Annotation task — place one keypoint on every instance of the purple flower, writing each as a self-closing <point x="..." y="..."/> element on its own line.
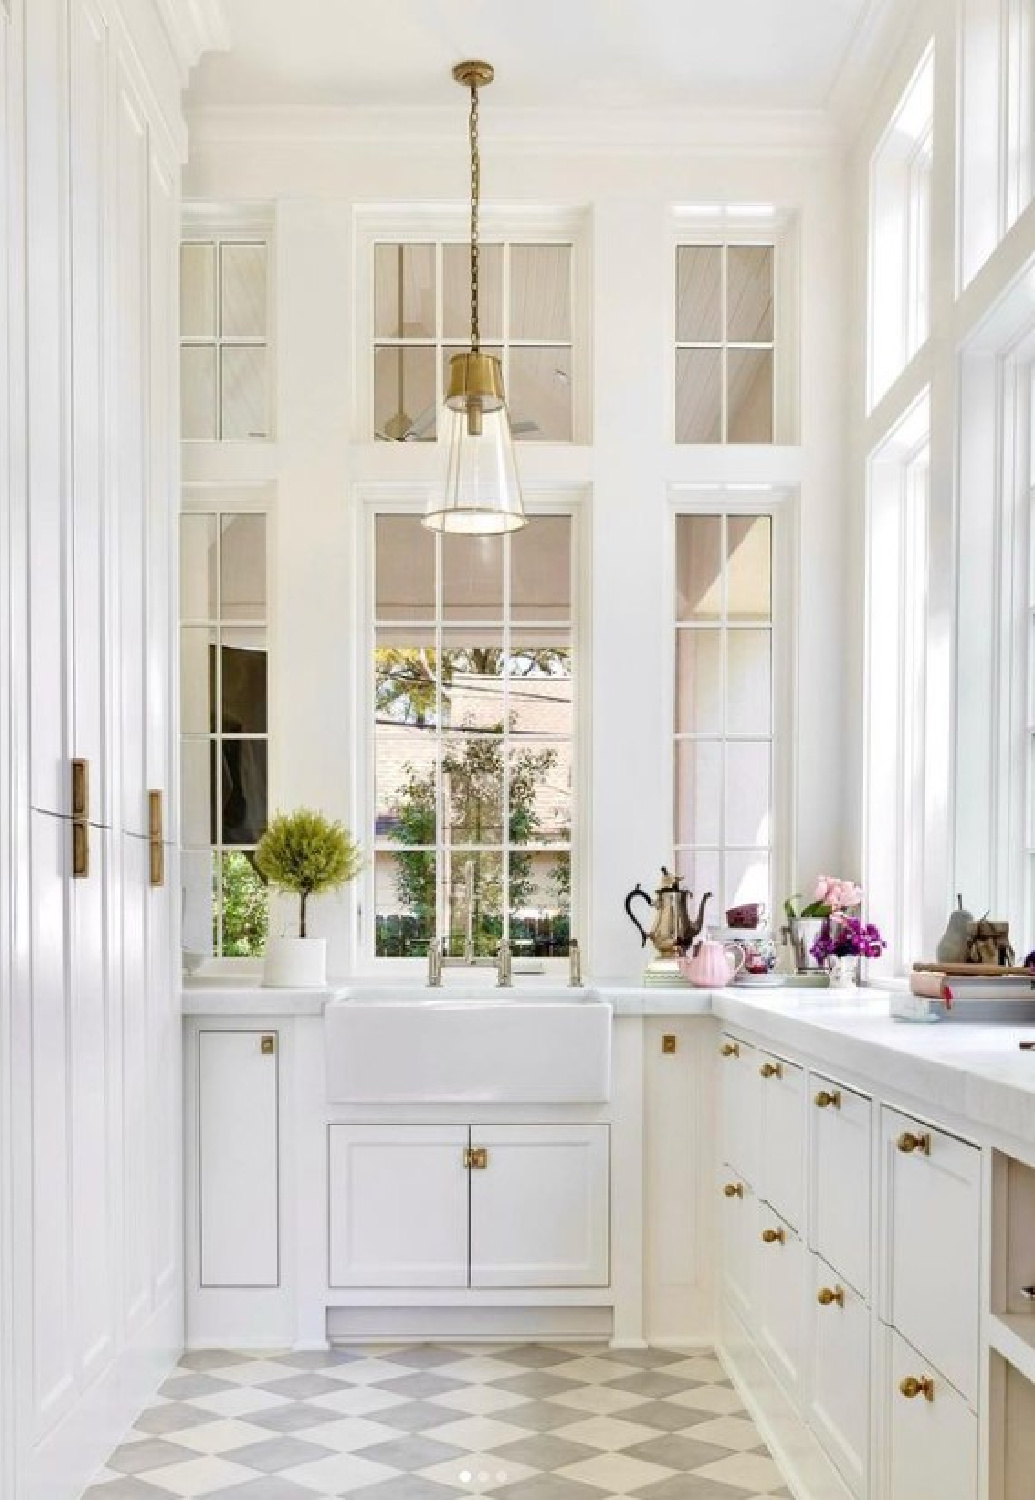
<point x="847" y="937"/>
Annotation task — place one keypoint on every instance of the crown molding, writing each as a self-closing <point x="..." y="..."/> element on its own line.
<point x="877" y="37"/>
<point x="521" y="131"/>
<point x="193" y="27"/>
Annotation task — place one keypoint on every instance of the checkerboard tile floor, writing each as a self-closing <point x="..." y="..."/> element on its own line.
<point x="434" y="1421"/>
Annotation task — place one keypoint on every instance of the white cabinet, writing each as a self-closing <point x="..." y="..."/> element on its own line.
<point x="238" y="1187"/>
<point x="741" y="1088"/>
<point x="781" y="1269"/>
<point x="398" y="1205"/>
<point x="931" y="1212"/>
<point x="739" y="1245"/>
<point x="782" y="1137"/>
<point x="930" y="1436"/>
<point x="837" y="1373"/>
<point x="839" y="1169"/>
<point x="539" y="1206"/>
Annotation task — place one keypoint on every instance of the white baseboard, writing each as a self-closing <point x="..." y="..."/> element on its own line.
<point x="62" y="1466"/>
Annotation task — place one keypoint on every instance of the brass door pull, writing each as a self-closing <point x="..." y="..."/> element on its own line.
<point x="773" y="1236"/>
<point x="80" y="788"/>
<point x="907" y="1143"/>
<point x="730" y="1049"/>
<point x="771" y="1070"/>
<point x="827" y="1296"/>
<point x="80" y="803"/>
<point x="734" y="1190"/>
<point x="80" y="849"/>
<point x="476" y="1158"/>
<point x="828" y="1100"/>
<point x="155" y="839"/>
<point x="912" y="1387"/>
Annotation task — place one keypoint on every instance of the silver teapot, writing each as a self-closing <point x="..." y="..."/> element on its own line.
<point x="673" y="930"/>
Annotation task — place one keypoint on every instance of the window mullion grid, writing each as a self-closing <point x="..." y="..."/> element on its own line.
<point x="440" y="857"/>
<point x="216" y="751"/>
<point x="724" y="359"/>
<point x="724" y="666"/>
<point x="505" y="315"/>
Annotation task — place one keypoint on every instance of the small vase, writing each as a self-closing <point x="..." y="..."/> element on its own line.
<point x="844" y="972"/>
<point x="803" y="932"/>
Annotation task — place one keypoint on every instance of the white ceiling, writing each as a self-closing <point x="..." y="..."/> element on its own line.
<point x="548" y="54"/>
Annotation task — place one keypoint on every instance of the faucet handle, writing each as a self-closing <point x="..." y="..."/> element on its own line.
<point x="574" y="963"/>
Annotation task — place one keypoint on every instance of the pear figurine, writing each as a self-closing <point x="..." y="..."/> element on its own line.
<point x="952" y="945"/>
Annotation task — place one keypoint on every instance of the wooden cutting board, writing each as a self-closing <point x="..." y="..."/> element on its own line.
<point x="976" y="971"/>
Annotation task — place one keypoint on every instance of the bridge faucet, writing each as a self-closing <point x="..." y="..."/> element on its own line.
<point x="574" y="964"/>
<point x="504" y="975"/>
<point x="434" y="963"/>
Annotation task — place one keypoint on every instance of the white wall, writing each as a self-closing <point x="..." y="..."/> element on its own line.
<point x="317" y="169"/>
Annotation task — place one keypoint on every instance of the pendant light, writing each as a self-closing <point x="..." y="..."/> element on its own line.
<point x="482" y="495"/>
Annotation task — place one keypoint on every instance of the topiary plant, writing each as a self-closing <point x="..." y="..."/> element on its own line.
<point x="305" y="853"/>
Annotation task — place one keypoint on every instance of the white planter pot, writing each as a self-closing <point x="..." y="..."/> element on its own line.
<point x="295" y="963"/>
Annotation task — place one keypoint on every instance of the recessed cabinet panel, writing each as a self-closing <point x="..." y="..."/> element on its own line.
<point x="932" y="1234"/>
<point x="740" y="1087"/>
<point x="781" y="1275"/>
<point x="931" y="1443"/>
<point x="237" y="1138"/>
<point x="137" y="1102"/>
<point x="739" y="1255"/>
<point x="539" y="1207"/>
<point x="839" y="1162"/>
<point x="837" y="1374"/>
<point x="782" y="1142"/>
<point x="398" y="1205"/>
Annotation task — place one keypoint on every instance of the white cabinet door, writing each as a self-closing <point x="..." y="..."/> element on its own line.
<point x="781" y="1293"/>
<point x="838" y="1373"/>
<point x="782" y="1144"/>
<point x="237" y="1158"/>
<point x="839" y="1159"/>
<point x="398" y="1205"/>
<point x="739" y="1258"/>
<point x="931" y="1444"/>
<point x="740" y="1088"/>
<point x="539" y="1206"/>
<point x="931" y="1244"/>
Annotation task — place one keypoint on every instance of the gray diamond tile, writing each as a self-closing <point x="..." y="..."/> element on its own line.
<point x="545" y="1451"/>
<point x="151" y="1453"/>
<point x="645" y="1359"/>
<point x="425" y="1356"/>
<point x="183" y="1387"/>
<point x="126" y="1489"/>
<point x="301" y="1387"/>
<point x="411" y="1452"/>
<point x="541" y="1416"/>
<point x="319" y="1359"/>
<point x="536" y="1356"/>
<point x="675" y="1452"/>
<point x="296" y="1417"/>
<point x="174" y="1416"/>
<point x="653" y="1383"/>
<point x="418" y="1386"/>
<point x="406" y="1487"/>
<point x="213" y="1359"/>
<point x="267" y="1488"/>
<point x="692" y="1487"/>
<point x="416" y="1416"/>
<point x="536" y="1383"/>
<point x="668" y="1416"/>
<point x="549" y="1487"/>
<point x="277" y="1453"/>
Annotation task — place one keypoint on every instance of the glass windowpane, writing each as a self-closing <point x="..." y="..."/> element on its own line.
<point x="242" y="567"/>
<point x="405" y="569"/>
<point x="749" y="294"/>
<point x="472" y="788"/>
<point x="472" y="680"/>
<point x="698" y="792"/>
<point x="749" y="396"/>
<point x="540" y="903"/>
<point x="699" y="294"/>
<point x="243" y="798"/>
<point x="243" y="669"/>
<point x="540" y="292"/>
<point x="472" y="577"/>
<point x="404" y="395"/>
<point x="747" y="877"/>
<point x="540" y="569"/>
<point x="540" y="689"/>
<point x="405" y="766"/>
<point x="198" y="291"/>
<point x="749" y="677"/>
<point x="404" y="291"/>
<point x="749" y="579"/>
<point x="699" y="681"/>
<point x="404" y="903"/>
<point x="473" y="885"/>
<point x="198" y="392"/>
<point x="243" y="392"/>
<point x="539" y="395"/>
<point x="701" y="873"/>
<point x="197" y="803"/>
<point x="698" y="567"/>
<point x="197" y="884"/>
<point x="406" y="680"/>
<point x="748" y="793"/>
<point x="244" y="906"/>
<point x="197" y="567"/>
<point x="242" y="303"/>
<point x="698" y="395"/>
<point x="540" y="794"/>
<point x="456" y="292"/>
<point x="197" y="680"/>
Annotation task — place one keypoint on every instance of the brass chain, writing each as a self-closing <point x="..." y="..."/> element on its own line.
<point x="475" y="196"/>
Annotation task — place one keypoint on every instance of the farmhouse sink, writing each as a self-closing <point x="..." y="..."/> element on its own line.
<point x="467" y="1045"/>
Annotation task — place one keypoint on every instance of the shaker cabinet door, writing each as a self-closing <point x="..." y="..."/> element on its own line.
<point x="931" y="1435"/>
<point x="740" y="1088"/>
<point x="839" y="1159"/>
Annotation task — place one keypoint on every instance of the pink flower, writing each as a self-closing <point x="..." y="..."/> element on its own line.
<point x="823" y="885"/>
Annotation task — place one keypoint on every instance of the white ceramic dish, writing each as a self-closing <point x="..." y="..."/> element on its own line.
<point x="758" y="981"/>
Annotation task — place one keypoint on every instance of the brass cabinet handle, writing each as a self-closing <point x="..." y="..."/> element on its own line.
<point x="80" y="788"/>
<point x="80" y="849"/>
<point x="268" y="1044"/>
<point x="734" y="1190"/>
<point x="80" y="800"/>
<point x="773" y="1236"/>
<point x="155" y="839"/>
<point x="730" y="1049"/>
<point x="476" y="1158"/>
<point x="771" y="1070"/>
<point x="907" y="1143"/>
<point x="914" y="1386"/>
<point x="828" y="1100"/>
<point x="827" y="1296"/>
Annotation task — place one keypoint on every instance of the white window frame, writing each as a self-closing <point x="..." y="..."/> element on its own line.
<point x="391" y="499"/>
<point x="781" y="505"/>
<point x="447" y="224"/>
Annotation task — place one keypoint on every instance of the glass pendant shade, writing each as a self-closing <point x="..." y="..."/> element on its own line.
<point x="482" y="494"/>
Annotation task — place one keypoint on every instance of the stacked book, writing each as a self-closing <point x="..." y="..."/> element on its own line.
<point x="985" y="993"/>
<point x="665" y="974"/>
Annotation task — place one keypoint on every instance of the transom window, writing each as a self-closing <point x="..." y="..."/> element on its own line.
<point x="474" y="687"/>
<point x="225" y="729"/>
<point x="725" y="343"/>
<point x="724" y="725"/>
<point x="422" y="317"/>
<point x="223" y="340"/>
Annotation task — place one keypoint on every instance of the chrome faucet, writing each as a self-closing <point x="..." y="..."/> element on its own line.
<point x="435" y="963"/>
<point x="574" y="964"/>
<point x="504" y="975"/>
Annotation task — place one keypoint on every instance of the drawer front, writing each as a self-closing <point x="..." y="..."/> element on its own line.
<point x="740" y="1091"/>
<point x="839" y="1162"/>
<point x="782" y="1139"/>
<point x="838" y="1378"/>
<point x="932" y="1235"/>
<point x="931" y="1445"/>
<point x="739" y="1244"/>
<point x="781" y="1291"/>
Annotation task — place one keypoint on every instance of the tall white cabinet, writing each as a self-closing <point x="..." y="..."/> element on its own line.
<point x="90" y="1154"/>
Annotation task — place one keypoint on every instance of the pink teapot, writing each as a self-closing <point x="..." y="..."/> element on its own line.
<point x="713" y="965"/>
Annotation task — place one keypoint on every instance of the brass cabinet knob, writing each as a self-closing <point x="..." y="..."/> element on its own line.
<point x="734" y="1190"/>
<point x="771" y="1070"/>
<point x="914" y="1386"/>
<point x="773" y="1236"/>
<point x="907" y="1143"/>
<point x="730" y="1049"/>
<point x="827" y="1296"/>
<point x="828" y="1100"/>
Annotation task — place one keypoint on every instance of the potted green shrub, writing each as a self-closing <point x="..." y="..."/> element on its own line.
<point x="304" y="853"/>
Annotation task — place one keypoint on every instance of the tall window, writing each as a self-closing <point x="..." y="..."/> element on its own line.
<point x="224" y="724"/>
<point x="724" y="728"/>
<point x="725" y="343"/>
<point x="473" y="738"/>
<point x="422" y="316"/>
<point x="224" y="375"/>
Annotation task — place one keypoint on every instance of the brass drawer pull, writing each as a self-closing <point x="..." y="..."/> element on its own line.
<point x="773" y="1236"/>
<point x="268" y="1045"/>
<point x="476" y="1158"/>
<point x="907" y="1143"/>
<point x="80" y="849"/>
<point x="827" y="1296"/>
<point x="730" y="1049"/>
<point x="771" y="1070"/>
<point x="734" y="1190"/>
<point x="828" y="1100"/>
<point x="912" y="1387"/>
